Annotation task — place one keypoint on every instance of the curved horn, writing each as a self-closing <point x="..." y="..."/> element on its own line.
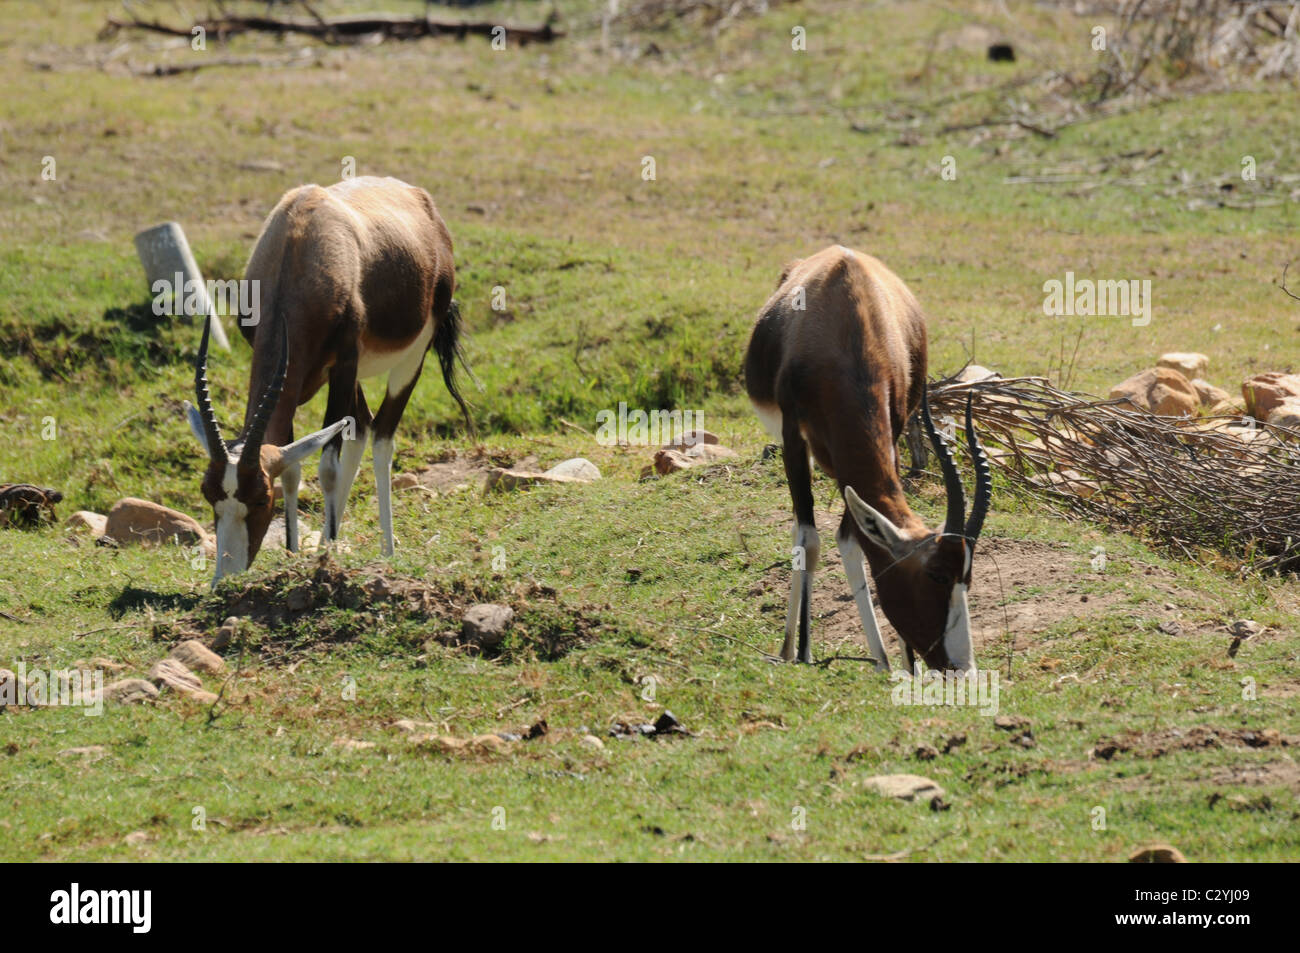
<point x="216" y="446"/>
<point x="251" y="455"/>
<point x="983" y="477"/>
<point x="951" y="480"/>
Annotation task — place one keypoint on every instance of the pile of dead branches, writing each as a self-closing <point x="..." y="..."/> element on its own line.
<point x="1221" y="483"/>
<point x="334" y="30"/>
<point x="713" y="14"/>
<point x="1159" y="42"/>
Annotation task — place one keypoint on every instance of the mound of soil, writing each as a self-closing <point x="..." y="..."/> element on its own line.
<point x="333" y="604"/>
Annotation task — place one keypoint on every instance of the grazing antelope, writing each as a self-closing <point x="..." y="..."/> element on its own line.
<point x="356" y="280"/>
<point x="836" y="365"/>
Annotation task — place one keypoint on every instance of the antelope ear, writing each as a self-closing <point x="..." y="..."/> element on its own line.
<point x="299" y="450"/>
<point x="196" y="425"/>
<point x="875" y="524"/>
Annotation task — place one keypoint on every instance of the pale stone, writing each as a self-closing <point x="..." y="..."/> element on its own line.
<point x="194" y="654"/>
<point x="1189" y="364"/>
<point x="906" y="787"/>
<point x="132" y="521"/>
<point x="1160" y="390"/>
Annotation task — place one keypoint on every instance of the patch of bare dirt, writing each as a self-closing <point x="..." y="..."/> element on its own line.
<point x="454" y="470"/>
<point x="302" y="608"/>
<point x="1283" y="773"/>
<point x="1038" y="581"/>
<point x="1155" y="744"/>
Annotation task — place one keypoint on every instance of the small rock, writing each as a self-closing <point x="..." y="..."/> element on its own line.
<point x="906" y="787"/>
<point x="194" y="654"/>
<point x="485" y="624"/>
<point x="580" y="469"/>
<point x="1286" y="414"/>
<point x="1161" y="390"/>
<point x="224" y="635"/>
<point x="670" y="461"/>
<point x="130" y="691"/>
<point x="86" y="521"/>
<point x="593" y="742"/>
<point x="1245" y="628"/>
<point x="1208" y="394"/>
<point x="1157" y="854"/>
<point x="667" y="723"/>
<point x="925" y="752"/>
<point x="689" y="438"/>
<point x="1263" y="392"/>
<point x="1011" y="722"/>
<point x="499" y="478"/>
<point x="170" y="673"/>
<point x="974" y="372"/>
<point x="405" y="481"/>
<point x="134" y="521"/>
<point x="1188" y="364"/>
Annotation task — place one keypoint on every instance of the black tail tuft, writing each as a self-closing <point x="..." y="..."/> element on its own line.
<point x="446" y="342"/>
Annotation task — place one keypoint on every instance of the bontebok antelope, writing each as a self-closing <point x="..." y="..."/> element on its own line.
<point x="836" y="366"/>
<point x="356" y="280"/>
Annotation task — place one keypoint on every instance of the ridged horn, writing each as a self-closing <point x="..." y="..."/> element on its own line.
<point x="951" y="479"/>
<point x="983" y="477"/>
<point x="251" y="454"/>
<point x="202" y="397"/>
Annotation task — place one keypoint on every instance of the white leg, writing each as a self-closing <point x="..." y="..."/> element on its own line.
<point x="337" y="472"/>
<point x="854" y="567"/>
<point x="807" y="550"/>
<point x="290" y="477"/>
<point x="382" y="451"/>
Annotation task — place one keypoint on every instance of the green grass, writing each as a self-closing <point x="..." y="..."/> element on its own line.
<point x="618" y="289"/>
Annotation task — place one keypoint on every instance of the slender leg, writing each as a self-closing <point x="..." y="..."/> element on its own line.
<point x="798" y="472"/>
<point x="855" y="569"/>
<point x="401" y="382"/>
<point x="341" y="458"/>
<point x="290" y="478"/>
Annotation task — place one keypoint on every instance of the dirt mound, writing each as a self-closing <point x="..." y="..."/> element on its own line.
<point x="333" y="604"/>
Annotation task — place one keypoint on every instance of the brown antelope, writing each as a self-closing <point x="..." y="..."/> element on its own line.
<point x="836" y="365"/>
<point x="356" y="280"/>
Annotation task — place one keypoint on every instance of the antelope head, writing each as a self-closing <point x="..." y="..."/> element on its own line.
<point x="922" y="585"/>
<point x="240" y="477"/>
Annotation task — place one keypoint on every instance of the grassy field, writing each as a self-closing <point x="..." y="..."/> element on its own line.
<point x="634" y="596"/>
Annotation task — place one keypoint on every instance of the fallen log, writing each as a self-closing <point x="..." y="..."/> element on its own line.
<point x="335" y="29"/>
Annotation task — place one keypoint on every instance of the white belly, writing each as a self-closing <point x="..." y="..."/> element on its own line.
<point x="400" y="365"/>
<point x="770" y="418"/>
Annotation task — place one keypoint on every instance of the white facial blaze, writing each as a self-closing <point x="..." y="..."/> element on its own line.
<point x="232" y="529"/>
<point x="956" y="634"/>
